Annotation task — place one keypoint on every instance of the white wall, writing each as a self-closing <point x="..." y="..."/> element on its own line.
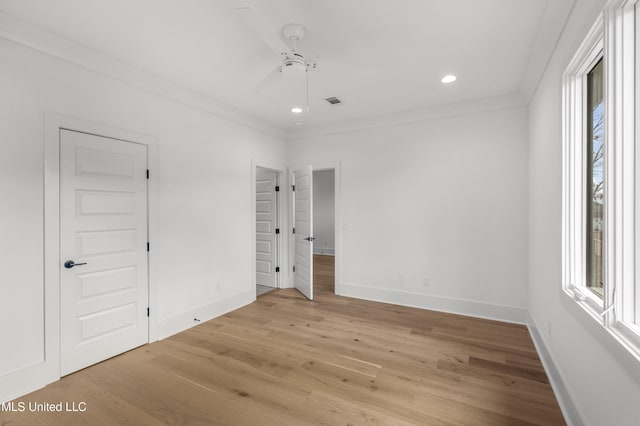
<point x="201" y="239"/>
<point x="324" y="211"/>
<point x="603" y="392"/>
<point x="445" y="200"/>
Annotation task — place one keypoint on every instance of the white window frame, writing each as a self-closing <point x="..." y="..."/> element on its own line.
<point x="637" y="182"/>
<point x="626" y="321"/>
<point x="613" y="37"/>
<point x="574" y="160"/>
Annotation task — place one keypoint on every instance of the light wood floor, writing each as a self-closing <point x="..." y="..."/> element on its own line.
<point x="334" y="361"/>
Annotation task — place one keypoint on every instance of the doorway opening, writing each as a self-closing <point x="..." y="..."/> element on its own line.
<point x="324" y="231"/>
<point x="268" y="230"/>
<point x="310" y="243"/>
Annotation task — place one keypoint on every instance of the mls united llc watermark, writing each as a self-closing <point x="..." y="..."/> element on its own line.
<point x="50" y="407"/>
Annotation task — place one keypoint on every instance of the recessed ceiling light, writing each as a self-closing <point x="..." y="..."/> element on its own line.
<point x="296" y="110"/>
<point x="299" y="123"/>
<point x="449" y="78"/>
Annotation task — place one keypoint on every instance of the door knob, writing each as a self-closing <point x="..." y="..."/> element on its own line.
<point x="70" y="264"/>
<point x="310" y="238"/>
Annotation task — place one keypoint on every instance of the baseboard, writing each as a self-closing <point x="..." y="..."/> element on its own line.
<point x="571" y="413"/>
<point x="26" y="380"/>
<point x="328" y="251"/>
<point x="436" y="303"/>
<point x="185" y="320"/>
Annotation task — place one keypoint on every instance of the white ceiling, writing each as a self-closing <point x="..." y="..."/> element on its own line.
<point x="379" y="56"/>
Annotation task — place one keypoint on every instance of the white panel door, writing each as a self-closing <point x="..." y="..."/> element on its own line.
<point x="303" y="211"/>
<point x="266" y="223"/>
<point x="103" y="231"/>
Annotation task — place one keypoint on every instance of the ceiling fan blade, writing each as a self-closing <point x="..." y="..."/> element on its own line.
<point x="345" y="65"/>
<point x="272" y="78"/>
<point x="250" y="13"/>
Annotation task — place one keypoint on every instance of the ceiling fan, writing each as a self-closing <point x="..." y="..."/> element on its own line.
<point x="292" y="60"/>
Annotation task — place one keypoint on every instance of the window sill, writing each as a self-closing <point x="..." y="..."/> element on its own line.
<point x="620" y="341"/>
<point x="587" y="300"/>
<point x="628" y="336"/>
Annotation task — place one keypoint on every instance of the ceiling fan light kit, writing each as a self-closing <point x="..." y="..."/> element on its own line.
<point x="295" y="63"/>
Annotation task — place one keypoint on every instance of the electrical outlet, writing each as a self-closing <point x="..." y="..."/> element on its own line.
<point x="427" y="281"/>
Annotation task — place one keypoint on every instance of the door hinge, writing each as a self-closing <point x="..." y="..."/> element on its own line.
<point x="277" y="269"/>
<point x="293" y="187"/>
<point x="277" y="189"/>
<point x="147" y="173"/>
<point x="148" y="246"/>
<point x="294" y="268"/>
<point x="277" y="230"/>
<point x="148" y="311"/>
<point x="294" y="230"/>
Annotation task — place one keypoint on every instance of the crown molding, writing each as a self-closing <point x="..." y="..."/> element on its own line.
<point x="30" y="36"/>
<point x="407" y="117"/>
<point x="554" y="20"/>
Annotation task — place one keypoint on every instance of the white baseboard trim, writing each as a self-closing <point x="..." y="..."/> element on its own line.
<point x="471" y="308"/>
<point x="185" y="320"/>
<point x="329" y="251"/>
<point x="27" y="379"/>
<point x="572" y="415"/>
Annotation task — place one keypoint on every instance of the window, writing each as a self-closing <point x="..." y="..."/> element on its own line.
<point x="584" y="188"/>
<point x="594" y="206"/>
<point x="601" y="175"/>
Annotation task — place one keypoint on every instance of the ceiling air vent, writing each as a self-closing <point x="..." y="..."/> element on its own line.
<point x="333" y="100"/>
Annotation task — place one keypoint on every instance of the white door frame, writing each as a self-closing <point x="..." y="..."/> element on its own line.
<point x="317" y="166"/>
<point x="53" y="124"/>
<point x="280" y="217"/>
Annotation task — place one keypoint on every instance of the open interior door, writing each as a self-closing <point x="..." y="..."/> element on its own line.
<point x="303" y="237"/>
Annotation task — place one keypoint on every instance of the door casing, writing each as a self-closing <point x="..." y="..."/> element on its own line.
<point x="340" y="223"/>
<point x="282" y="276"/>
<point x="50" y="369"/>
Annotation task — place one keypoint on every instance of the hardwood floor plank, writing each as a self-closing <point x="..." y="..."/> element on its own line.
<point x="519" y="371"/>
<point x="285" y="360"/>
